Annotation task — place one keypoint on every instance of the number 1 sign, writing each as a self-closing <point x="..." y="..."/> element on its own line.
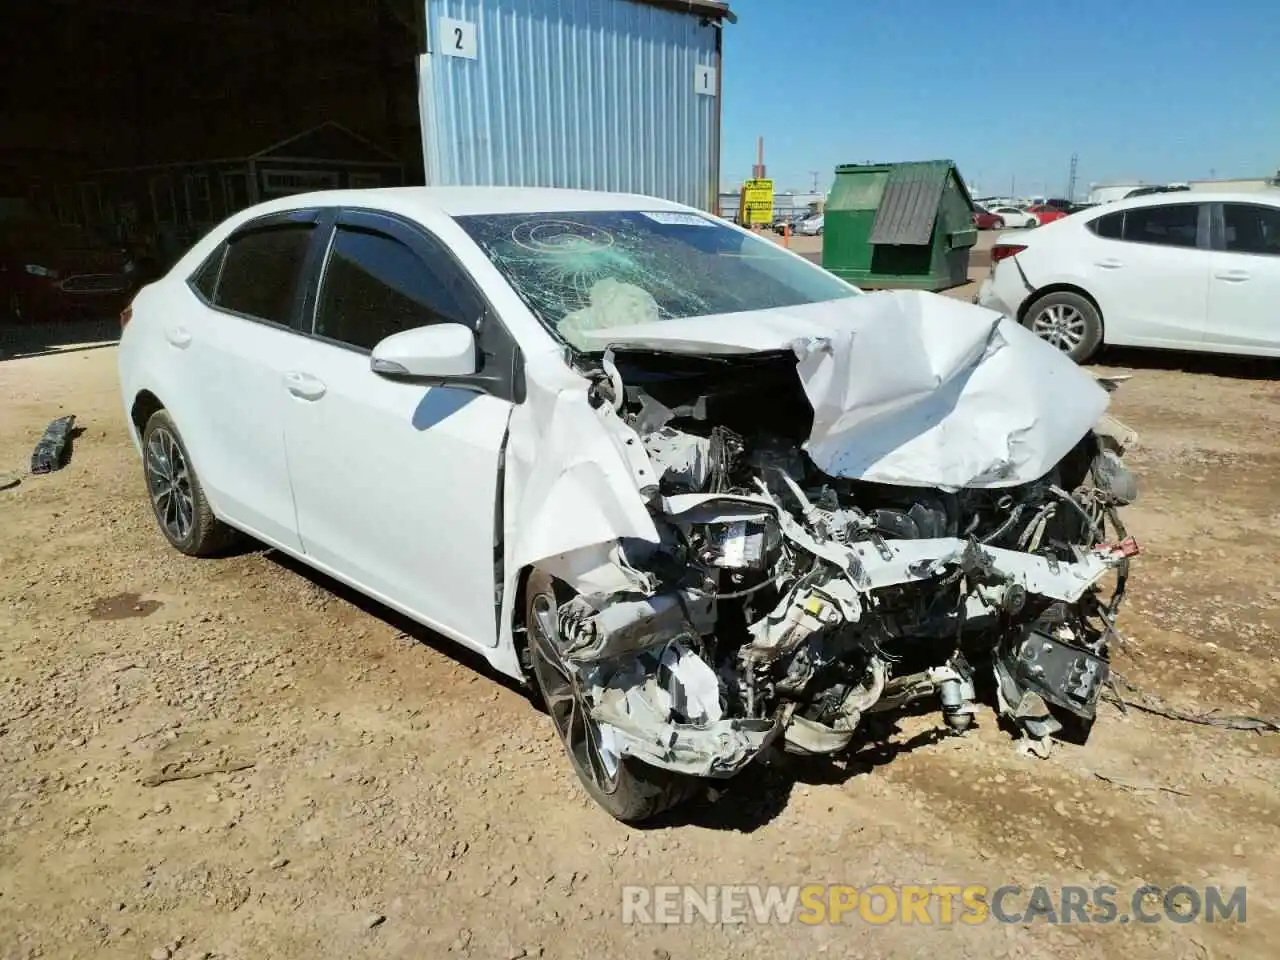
<point x="704" y="81"/>
<point x="457" y="38"/>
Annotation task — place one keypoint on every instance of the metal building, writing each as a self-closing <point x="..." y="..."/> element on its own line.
<point x="619" y="95"/>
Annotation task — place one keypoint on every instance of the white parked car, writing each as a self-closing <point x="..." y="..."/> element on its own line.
<point x="1014" y="217"/>
<point x="705" y="498"/>
<point x="1181" y="271"/>
<point x="812" y="226"/>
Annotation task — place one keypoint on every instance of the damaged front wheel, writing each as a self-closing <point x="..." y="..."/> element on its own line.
<point x="629" y="790"/>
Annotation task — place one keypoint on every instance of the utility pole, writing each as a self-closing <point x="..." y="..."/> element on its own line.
<point x="759" y="173"/>
<point x="1071" y="181"/>
<point x="815" y="174"/>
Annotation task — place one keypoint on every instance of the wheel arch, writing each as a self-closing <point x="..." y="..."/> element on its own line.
<point x="520" y="626"/>
<point x="1079" y="291"/>
<point x="145" y="404"/>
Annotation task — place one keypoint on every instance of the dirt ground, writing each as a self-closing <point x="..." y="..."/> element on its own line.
<point x="382" y="795"/>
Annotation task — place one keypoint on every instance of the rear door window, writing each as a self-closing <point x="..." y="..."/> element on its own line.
<point x="1174" y="225"/>
<point x="205" y="279"/>
<point x="1251" y="228"/>
<point x="375" y="286"/>
<point x="1110" y="227"/>
<point x="260" y="272"/>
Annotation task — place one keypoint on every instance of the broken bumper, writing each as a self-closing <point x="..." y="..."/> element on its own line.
<point x="643" y="710"/>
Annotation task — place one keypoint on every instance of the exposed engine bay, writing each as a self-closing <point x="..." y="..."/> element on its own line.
<point x="785" y="605"/>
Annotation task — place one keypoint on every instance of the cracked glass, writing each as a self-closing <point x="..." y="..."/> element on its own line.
<point x="597" y="269"/>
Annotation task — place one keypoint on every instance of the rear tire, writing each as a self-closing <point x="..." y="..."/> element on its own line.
<point x="177" y="498"/>
<point x="1068" y="321"/>
<point x="627" y="789"/>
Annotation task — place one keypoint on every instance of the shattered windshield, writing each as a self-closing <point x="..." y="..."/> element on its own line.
<point x="586" y="271"/>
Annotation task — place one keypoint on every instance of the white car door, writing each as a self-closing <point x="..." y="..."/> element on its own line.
<point x="236" y="345"/>
<point x="397" y="484"/>
<point x="1244" y="280"/>
<point x="1148" y="269"/>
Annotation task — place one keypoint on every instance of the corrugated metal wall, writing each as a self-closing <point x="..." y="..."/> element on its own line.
<point x="593" y="94"/>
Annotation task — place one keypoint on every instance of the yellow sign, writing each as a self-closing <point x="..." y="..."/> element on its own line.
<point x="757" y="202"/>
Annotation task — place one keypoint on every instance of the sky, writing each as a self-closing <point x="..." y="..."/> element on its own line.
<point x="1009" y="89"/>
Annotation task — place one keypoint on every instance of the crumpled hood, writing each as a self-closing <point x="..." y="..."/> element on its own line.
<point x="907" y="387"/>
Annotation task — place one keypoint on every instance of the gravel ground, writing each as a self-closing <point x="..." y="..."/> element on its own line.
<point x="359" y="788"/>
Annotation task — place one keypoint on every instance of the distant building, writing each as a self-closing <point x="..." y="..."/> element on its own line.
<point x="1109" y="192"/>
<point x="785" y="203"/>
<point x="1245" y="185"/>
<point x="1118" y="190"/>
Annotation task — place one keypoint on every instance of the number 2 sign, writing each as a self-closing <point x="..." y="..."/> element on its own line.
<point x="457" y="38"/>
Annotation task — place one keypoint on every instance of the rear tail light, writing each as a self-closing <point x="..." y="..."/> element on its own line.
<point x="1003" y="251"/>
<point x="125" y="316"/>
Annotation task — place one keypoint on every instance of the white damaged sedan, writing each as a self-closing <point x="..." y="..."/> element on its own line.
<point x="705" y="498"/>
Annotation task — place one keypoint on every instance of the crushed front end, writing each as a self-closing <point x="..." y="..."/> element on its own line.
<point x="782" y="604"/>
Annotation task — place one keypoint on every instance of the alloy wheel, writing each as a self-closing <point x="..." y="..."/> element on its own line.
<point x="566" y="701"/>
<point x="169" y="482"/>
<point x="1061" y="325"/>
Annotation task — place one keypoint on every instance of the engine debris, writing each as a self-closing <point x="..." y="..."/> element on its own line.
<point x="787" y="604"/>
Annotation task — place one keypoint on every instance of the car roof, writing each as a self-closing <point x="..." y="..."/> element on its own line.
<point x="1270" y="197"/>
<point x="468" y="201"/>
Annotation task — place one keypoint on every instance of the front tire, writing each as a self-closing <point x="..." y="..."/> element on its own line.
<point x="177" y="498"/>
<point x="1068" y="321"/>
<point x="627" y="789"/>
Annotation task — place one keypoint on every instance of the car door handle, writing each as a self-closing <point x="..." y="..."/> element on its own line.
<point x="303" y="385"/>
<point x="1111" y="263"/>
<point x="180" y="337"/>
<point x="1233" y="276"/>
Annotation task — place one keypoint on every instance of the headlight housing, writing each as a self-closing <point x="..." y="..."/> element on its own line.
<point x="38" y="271"/>
<point x="741" y="544"/>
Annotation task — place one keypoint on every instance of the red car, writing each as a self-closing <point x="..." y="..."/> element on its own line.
<point x="1045" y="213"/>
<point x="51" y="272"/>
<point x="986" y="220"/>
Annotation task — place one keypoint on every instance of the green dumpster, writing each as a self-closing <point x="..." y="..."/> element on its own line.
<point x="899" y="225"/>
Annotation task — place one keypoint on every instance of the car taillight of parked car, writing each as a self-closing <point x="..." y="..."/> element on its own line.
<point x="1003" y="251"/>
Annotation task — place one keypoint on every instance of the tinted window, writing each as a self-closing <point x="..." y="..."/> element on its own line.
<point x="1170" y="226"/>
<point x="1111" y="226"/>
<point x="375" y="286"/>
<point x="206" y="278"/>
<point x="260" y="272"/>
<point x="1252" y="229"/>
